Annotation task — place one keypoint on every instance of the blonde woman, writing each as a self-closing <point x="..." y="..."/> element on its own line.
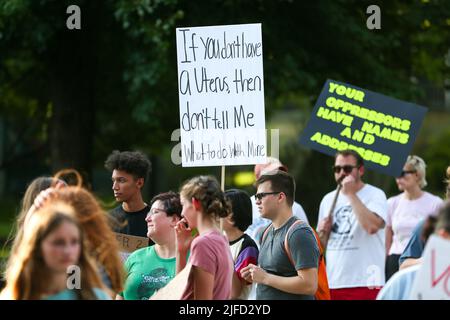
<point x="407" y="209"/>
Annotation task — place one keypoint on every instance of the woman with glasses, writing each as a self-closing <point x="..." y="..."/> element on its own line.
<point x="407" y="209"/>
<point x="151" y="268"/>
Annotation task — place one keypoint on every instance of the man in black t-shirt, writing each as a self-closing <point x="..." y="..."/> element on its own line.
<point x="129" y="171"/>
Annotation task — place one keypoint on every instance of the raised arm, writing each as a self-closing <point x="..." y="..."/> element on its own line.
<point x="183" y="240"/>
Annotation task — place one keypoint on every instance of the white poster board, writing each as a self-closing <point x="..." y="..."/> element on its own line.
<point x="433" y="279"/>
<point x="221" y="95"/>
<point x="175" y="288"/>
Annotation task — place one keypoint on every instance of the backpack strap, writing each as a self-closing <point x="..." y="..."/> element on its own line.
<point x="286" y="242"/>
<point x="264" y="234"/>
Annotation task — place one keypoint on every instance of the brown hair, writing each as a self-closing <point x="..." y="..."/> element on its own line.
<point x="171" y="203"/>
<point x="27" y="275"/>
<point x="101" y="241"/>
<point x="441" y="221"/>
<point x="349" y="152"/>
<point x="280" y="181"/>
<point x="34" y="188"/>
<point x="207" y="191"/>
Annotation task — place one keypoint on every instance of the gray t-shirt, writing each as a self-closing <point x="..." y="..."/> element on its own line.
<point x="273" y="259"/>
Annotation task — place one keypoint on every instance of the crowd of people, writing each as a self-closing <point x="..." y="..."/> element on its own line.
<point x="64" y="244"/>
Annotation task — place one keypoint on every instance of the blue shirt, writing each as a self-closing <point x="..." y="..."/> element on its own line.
<point x="71" y="295"/>
<point x="399" y="287"/>
<point x="415" y="246"/>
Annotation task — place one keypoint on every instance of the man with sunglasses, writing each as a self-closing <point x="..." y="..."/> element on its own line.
<point x="279" y="276"/>
<point x="259" y="223"/>
<point x="353" y="233"/>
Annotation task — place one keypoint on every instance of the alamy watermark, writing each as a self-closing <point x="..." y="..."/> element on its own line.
<point x="374" y="20"/>
<point x="73" y="277"/>
<point x="74" y="20"/>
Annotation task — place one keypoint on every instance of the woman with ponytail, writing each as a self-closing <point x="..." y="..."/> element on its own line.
<point x="211" y="273"/>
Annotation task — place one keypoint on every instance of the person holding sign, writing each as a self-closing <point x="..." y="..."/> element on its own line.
<point x="407" y="209"/>
<point x="51" y="245"/>
<point x="129" y="172"/>
<point x="355" y="250"/>
<point x="204" y="203"/>
<point x="283" y="273"/>
<point x="400" y="286"/>
<point x="243" y="248"/>
<point x="151" y="268"/>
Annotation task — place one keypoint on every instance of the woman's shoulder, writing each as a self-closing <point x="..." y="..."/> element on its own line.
<point x="210" y="238"/>
<point x="68" y="294"/>
<point x="137" y="254"/>
<point x="394" y="201"/>
<point x="431" y="197"/>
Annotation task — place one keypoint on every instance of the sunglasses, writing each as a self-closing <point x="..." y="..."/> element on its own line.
<point x="261" y="195"/>
<point x="405" y="172"/>
<point x="346" y="168"/>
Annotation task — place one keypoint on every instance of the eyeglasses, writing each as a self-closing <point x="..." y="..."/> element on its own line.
<point x="405" y="172"/>
<point x="261" y="195"/>
<point x="346" y="168"/>
<point x="154" y="211"/>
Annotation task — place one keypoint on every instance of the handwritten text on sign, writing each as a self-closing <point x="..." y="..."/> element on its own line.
<point x="433" y="279"/>
<point x="221" y="94"/>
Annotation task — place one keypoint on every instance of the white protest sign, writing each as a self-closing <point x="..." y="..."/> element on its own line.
<point x="432" y="280"/>
<point x="175" y="288"/>
<point x="221" y="94"/>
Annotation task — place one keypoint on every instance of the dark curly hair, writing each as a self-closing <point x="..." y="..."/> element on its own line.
<point x="133" y="162"/>
<point x="171" y="203"/>
<point x="207" y="190"/>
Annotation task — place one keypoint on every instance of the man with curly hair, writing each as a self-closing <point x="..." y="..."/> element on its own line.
<point x="129" y="172"/>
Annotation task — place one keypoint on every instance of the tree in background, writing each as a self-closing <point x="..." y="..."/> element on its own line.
<point x="69" y="97"/>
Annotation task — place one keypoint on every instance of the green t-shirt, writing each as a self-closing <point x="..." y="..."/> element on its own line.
<point x="146" y="273"/>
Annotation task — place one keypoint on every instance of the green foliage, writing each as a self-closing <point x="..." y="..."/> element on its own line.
<point x="439" y="155"/>
<point x="123" y="63"/>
